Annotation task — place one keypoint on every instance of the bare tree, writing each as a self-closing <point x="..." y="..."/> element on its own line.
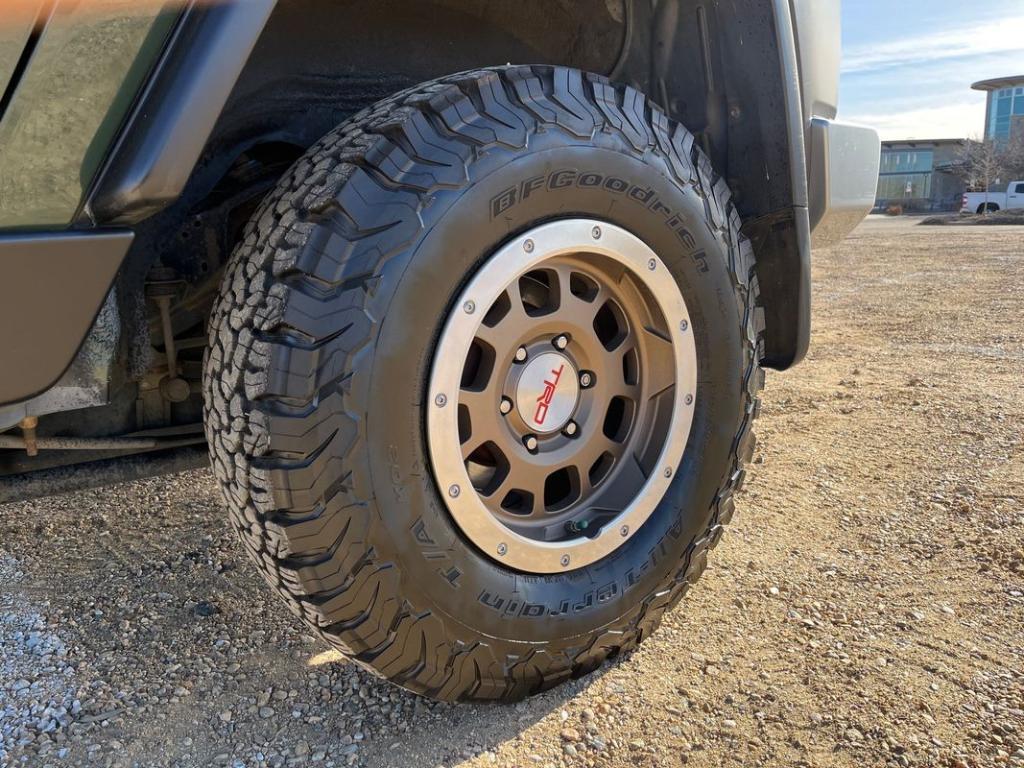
<point x="1011" y="155"/>
<point x="980" y="164"/>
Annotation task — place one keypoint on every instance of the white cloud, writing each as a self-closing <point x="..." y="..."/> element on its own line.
<point x="918" y="85"/>
<point x="1002" y="35"/>
<point x="958" y="120"/>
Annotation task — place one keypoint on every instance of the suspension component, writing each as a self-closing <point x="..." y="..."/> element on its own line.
<point x="162" y="286"/>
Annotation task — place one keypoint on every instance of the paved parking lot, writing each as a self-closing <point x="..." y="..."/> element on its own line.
<point x="866" y="608"/>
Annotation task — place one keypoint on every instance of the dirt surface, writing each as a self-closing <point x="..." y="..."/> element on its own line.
<point x="866" y="608"/>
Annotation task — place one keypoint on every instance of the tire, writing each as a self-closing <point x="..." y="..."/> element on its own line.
<point x="987" y="208"/>
<point x="321" y="344"/>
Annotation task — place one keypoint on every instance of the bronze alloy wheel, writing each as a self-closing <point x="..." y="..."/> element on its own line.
<point x="563" y="388"/>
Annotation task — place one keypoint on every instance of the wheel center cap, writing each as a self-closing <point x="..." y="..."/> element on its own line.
<point x="547" y="391"/>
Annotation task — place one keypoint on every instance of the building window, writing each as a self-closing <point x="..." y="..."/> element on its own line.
<point x="904" y="186"/>
<point x="906" y="161"/>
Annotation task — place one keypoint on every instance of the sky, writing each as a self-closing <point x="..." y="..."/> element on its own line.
<point x="908" y="65"/>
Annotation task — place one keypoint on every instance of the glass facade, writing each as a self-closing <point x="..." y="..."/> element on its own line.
<point x="904" y="186"/>
<point x="1005" y="104"/>
<point x="905" y="174"/>
<point x="907" y="161"/>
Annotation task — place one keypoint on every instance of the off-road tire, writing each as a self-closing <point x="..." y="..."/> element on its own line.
<point x="320" y="347"/>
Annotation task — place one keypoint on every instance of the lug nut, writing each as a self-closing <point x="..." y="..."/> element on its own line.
<point x="505" y="406"/>
<point x="441" y="401"/>
<point x="565" y="561"/>
<point x="521" y="355"/>
<point x="502" y="549"/>
<point x="571" y="429"/>
<point x="586" y="379"/>
<point x="561" y="341"/>
<point x="531" y="443"/>
<point x="454" y="491"/>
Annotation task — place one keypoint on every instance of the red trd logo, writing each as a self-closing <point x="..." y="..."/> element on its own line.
<point x="544" y="401"/>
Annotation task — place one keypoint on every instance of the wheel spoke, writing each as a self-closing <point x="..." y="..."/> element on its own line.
<point x="484" y="417"/>
<point x="525" y="478"/>
<point x="629" y="479"/>
<point x="614" y="364"/>
<point x="592" y="449"/>
<point x="514" y="325"/>
<point x="580" y="309"/>
<point x="632" y="392"/>
<point x="658" y="370"/>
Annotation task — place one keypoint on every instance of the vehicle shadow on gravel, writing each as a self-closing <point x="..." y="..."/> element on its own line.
<point x="450" y="734"/>
<point x="135" y="623"/>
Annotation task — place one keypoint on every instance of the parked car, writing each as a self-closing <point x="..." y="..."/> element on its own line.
<point x="476" y="348"/>
<point x="990" y="202"/>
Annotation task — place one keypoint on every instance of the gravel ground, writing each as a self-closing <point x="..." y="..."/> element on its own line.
<point x="867" y="607"/>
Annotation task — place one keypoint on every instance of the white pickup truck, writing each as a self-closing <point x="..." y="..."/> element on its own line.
<point x="980" y="202"/>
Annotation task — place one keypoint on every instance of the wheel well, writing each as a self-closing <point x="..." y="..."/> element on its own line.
<point x="711" y="66"/>
<point x="990" y="207"/>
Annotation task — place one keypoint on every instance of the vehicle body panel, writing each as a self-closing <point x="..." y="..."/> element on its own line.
<point x="844" y="176"/>
<point x="842" y="159"/>
<point x="77" y="271"/>
<point x="818" y="36"/>
<point x="166" y="135"/>
<point x="159" y="77"/>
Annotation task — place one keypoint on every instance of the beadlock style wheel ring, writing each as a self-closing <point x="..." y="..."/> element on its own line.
<point x="561" y="396"/>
